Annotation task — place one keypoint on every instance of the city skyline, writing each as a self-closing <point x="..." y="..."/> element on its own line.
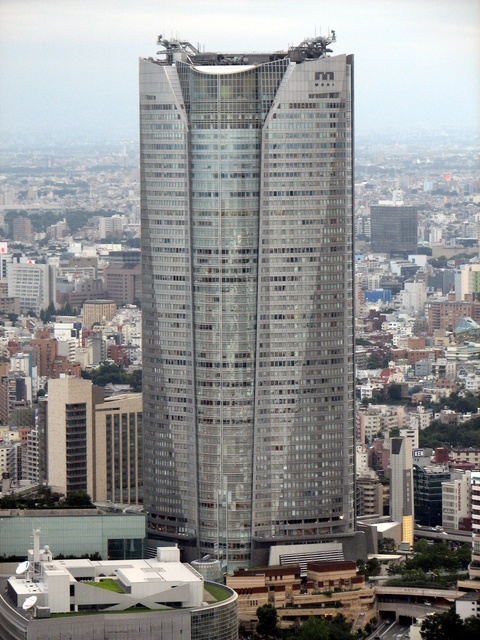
<point x="71" y="68"/>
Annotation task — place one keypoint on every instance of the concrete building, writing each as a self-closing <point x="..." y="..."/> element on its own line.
<point x="295" y="600"/>
<point x="119" y="450"/>
<point x="123" y="283"/>
<point x="98" y="311"/>
<point x="32" y="284"/>
<point x="474" y="567"/>
<point x="172" y="599"/>
<point x="369" y="497"/>
<point x="401" y="486"/>
<point x="70" y="434"/>
<point x="22" y="230"/>
<point x="247" y="269"/>
<point x="468" y="605"/>
<point x="456" y="501"/>
<point x="393" y="228"/>
<point x="467" y="281"/>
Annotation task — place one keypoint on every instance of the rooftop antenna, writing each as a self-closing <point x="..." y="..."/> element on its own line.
<point x="22" y="568"/>
<point x="29" y="602"/>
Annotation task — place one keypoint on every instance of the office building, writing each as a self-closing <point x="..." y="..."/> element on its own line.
<point x="98" y="311"/>
<point x="401" y="486"/>
<point x="22" y="230"/>
<point x="70" y="434"/>
<point x="123" y="283"/>
<point x="393" y="228"/>
<point x="427" y="492"/>
<point x="119" y="449"/>
<point x="33" y="284"/>
<point x="246" y="186"/>
<point x="456" y="501"/>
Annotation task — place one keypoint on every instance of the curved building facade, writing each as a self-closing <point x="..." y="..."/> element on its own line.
<point x="247" y="218"/>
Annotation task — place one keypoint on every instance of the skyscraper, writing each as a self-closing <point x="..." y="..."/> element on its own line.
<point x="247" y="219"/>
<point x="401" y="486"/>
<point x="393" y="227"/>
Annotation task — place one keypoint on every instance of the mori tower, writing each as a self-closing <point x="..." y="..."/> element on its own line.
<point x="247" y="262"/>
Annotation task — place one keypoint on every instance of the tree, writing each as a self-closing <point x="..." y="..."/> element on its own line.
<point x="395" y="392"/>
<point x="315" y="628"/>
<point x="471" y="628"/>
<point x="267" y="626"/>
<point x="442" y="626"/>
<point x="340" y="628"/>
<point x="373" y="567"/>
<point x="78" y="499"/>
<point x="387" y="545"/>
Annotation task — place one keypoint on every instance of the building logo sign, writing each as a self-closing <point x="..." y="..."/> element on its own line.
<point x="324" y="75"/>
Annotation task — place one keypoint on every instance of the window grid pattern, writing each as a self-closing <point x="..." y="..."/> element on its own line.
<point x="248" y="306"/>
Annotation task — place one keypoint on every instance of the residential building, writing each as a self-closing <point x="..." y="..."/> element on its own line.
<point x="468" y="605"/>
<point x="247" y="268"/>
<point x="369" y="496"/>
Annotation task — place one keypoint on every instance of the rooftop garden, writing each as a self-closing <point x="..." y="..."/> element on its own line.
<point x="108" y="584"/>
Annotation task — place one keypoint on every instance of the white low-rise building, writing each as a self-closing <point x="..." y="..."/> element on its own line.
<point x="75" y="585"/>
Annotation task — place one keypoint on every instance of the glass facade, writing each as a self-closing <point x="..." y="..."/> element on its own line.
<point x="247" y="302"/>
<point x="76" y="535"/>
<point x="76" y="446"/>
<point x="393" y="229"/>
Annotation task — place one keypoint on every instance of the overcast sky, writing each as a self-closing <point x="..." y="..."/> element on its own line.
<point x="72" y="65"/>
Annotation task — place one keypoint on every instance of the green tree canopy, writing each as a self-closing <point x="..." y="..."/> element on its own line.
<point x="442" y="626"/>
<point x="267" y="626"/>
<point x="315" y="628"/>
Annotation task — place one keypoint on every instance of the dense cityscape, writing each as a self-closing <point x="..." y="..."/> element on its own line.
<point x="98" y="485"/>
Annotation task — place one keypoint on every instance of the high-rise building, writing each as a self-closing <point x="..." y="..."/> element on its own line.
<point x="401" y="486"/>
<point x="119" y="449"/>
<point x="247" y="224"/>
<point x="70" y="434"/>
<point x="427" y="493"/>
<point x="22" y="230"/>
<point x="393" y="227"/>
<point x="474" y="566"/>
<point x="33" y="284"/>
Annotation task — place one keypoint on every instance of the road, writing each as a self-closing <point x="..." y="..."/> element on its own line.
<point x="391" y="631"/>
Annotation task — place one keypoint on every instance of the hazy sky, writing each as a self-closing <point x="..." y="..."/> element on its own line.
<point x="72" y="65"/>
